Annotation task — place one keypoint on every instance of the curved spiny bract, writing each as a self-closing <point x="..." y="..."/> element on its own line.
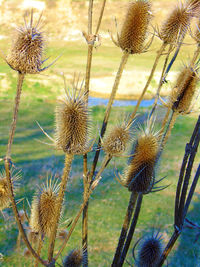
<point x="149" y="252"/>
<point x="115" y="142"/>
<point x="182" y="95"/>
<point x="176" y="25"/>
<point x="26" y="52"/>
<point x="74" y="259"/>
<point x="140" y="173"/>
<point x="72" y="125"/>
<point x="43" y="209"/>
<point x="134" y="29"/>
<point x="4" y="188"/>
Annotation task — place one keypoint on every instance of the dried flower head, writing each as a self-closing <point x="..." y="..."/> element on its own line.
<point x="44" y="208"/>
<point x="27" y="49"/>
<point x="134" y="29"/>
<point x="115" y="142"/>
<point x="140" y="173"/>
<point x="176" y="25"/>
<point x="4" y="191"/>
<point x="74" y="259"/>
<point x="72" y="123"/>
<point x="182" y="95"/>
<point x="149" y="252"/>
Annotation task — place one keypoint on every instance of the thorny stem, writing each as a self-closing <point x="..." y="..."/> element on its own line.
<point x="17" y="217"/>
<point x="131" y="230"/>
<point x="15" y="113"/>
<point x="125" y="227"/>
<point x="93" y="186"/>
<point x="65" y="176"/>
<point x="159" y="54"/>
<point x="108" y="109"/>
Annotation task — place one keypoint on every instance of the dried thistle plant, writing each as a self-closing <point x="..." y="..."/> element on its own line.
<point x="44" y="208"/>
<point x="74" y="259"/>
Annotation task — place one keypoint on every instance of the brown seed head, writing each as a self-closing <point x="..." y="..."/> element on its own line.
<point x="197" y="33"/>
<point x="27" y="48"/>
<point x="43" y="209"/>
<point x="72" y="124"/>
<point x="184" y="91"/>
<point x="176" y="25"/>
<point x="134" y="29"/>
<point x="116" y="140"/>
<point x="140" y="174"/>
<point x="74" y="259"/>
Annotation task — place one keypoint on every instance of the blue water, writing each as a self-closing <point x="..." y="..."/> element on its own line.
<point x="95" y="101"/>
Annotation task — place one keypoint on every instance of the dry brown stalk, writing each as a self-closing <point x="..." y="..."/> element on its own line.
<point x="65" y="176"/>
<point x="39" y="249"/>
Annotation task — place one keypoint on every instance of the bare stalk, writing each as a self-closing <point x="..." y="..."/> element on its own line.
<point x="131" y="230"/>
<point x="159" y="54"/>
<point x="125" y="227"/>
<point x="39" y="249"/>
<point x="65" y="176"/>
<point x="100" y="17"/>
<point x="196" y="55"/>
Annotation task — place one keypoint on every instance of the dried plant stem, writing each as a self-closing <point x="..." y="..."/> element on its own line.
<point x="161" y="82"/>
<point x="18" y="241"/>
<point x="93" y="186"/>
<point x="123" y="62"/>
<point x="65" y="176"/>
<point x="88" y="71"/>
<point x="159" y="54"/>
<point x="39" y="249"/>
<point x="131" y="230"/>
<point x="90" y="13"/>
<point x="100" y="16"/>
<point x="164" y="122"/>
<point x="14" y="122"/>
<point x="125" y="227"/>
<point x="17" y="217"/>
<point x="196" y="54"/>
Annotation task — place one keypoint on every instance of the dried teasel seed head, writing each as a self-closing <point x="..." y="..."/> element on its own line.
<point x="149" y="252"/>
<point x="74" y="259"/>
<point x="140" y="173"/>
<point x="43" y="210"/>
<point x="182" y="95"/>
<point x="176" y="25"/>
<point x="4" y="190"/>
<point x="197" y="33"/>
<point x="26" y="52"/>
<point x="72" y="123"/>
<point x="115" y="142"/>
<point x="134" y="29"/>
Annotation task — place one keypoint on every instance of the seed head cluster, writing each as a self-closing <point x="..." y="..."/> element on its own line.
<point x="43" y="210"/>
<point x="72" y="125"/>
<point x="139" y="176"/>
<point x="27" y="48"/>
<point x="184" y="91"/>
<point x="134" y="28"/>
<point x="74" y="259"/>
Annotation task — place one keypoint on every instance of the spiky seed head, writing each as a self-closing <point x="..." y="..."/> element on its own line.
<point x="115" y="142"/>
<point x="43" y="210"/>
<point x="74" y="259"/>
<point x="26" y="52"/>
<point x="134" y="29"/>
<point x="149" y="252"/>
<point x="72" y="124"/>
<point x="197" y="33"/>
<point x="182" y="95"/>
<point x="140" y="173"/>
<point x="4" y="191"/>
<point x="176" y="25"/>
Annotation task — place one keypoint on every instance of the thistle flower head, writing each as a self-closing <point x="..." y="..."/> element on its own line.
<point x="140" y="173"/>
<point x="43" y="208"/>
<point x="4" y="191"/>
<point x="72" y="123"/>
<point x="115" y="142"/>
<point x="176" y="25"/>
<point x="185" y="89"/>
<point x="27" y="49"/>
<point x="134" y="29"/>
<point x="149" y="252"/>
<point x="74" y="259"/>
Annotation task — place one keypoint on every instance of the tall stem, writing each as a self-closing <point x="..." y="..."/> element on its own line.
<point x="125" y="227"/>
<point x="39" y="249"/>
<point x="159" y="54"/>
<point x="131" y="230"/>
<point x="65" y="176"/>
